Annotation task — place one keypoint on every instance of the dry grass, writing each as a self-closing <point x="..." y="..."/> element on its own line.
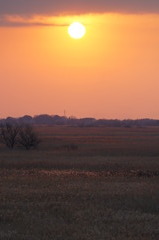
<point x="89" y="193"/>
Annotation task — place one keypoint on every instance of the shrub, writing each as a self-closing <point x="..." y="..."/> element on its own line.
<point x="28" y="138"/>
<point x="8" y="134"/>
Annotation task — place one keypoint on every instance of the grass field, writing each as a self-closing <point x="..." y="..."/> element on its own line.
<point x="82" y="184"/>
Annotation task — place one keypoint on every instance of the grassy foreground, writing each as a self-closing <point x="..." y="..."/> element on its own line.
<point x="105" y="188"/>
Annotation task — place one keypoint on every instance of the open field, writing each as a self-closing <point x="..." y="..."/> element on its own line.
<point x="81" y="184"/>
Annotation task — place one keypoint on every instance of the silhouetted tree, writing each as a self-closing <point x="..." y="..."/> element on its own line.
<point x="28" y="138"/>
<point x="8" y="134"/>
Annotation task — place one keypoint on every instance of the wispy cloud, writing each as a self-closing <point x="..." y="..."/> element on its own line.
<point x="19" y="21"/>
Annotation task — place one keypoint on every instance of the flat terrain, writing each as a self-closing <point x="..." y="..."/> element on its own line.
<point x="80" y="184"/>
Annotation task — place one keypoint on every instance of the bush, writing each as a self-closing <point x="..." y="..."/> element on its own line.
<point x="28" y="137"/>
<point x="9" y="134"/>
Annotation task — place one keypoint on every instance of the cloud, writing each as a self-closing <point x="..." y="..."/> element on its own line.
<point x="80" y="6"/>
<point x="27" y="24"/>
<point x="26" y="8"/>
<point x="7" y="22"/>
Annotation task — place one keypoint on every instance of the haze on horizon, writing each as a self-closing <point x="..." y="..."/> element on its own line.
<point x="112" y="72"/>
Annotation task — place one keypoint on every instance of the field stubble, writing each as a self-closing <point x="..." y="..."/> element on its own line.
<point x="106" y="188"/>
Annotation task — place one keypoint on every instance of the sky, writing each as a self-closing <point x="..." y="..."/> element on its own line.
<point x="112" y="72"/>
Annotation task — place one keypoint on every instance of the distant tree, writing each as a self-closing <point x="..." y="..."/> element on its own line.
<point x="28" y="138"/>
<point x="8" y="134"/>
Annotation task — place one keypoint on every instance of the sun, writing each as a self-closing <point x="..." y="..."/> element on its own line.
<point x="77" y="30"/>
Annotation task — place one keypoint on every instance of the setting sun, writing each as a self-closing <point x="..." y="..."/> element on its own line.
<point x="77" y="30"/>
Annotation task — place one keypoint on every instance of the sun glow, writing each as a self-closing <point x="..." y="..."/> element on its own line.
<point x="77" y="30"/>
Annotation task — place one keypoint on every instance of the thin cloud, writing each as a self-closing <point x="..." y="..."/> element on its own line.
<point x="19" y="21"/>
<point x="6" y="23"/>
<point x="9" y="24"/>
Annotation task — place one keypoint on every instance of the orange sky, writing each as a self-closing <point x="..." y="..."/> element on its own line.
<point x="113" y="72"/>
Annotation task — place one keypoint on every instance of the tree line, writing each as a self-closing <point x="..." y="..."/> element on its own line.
<point x="45" y="119"/>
